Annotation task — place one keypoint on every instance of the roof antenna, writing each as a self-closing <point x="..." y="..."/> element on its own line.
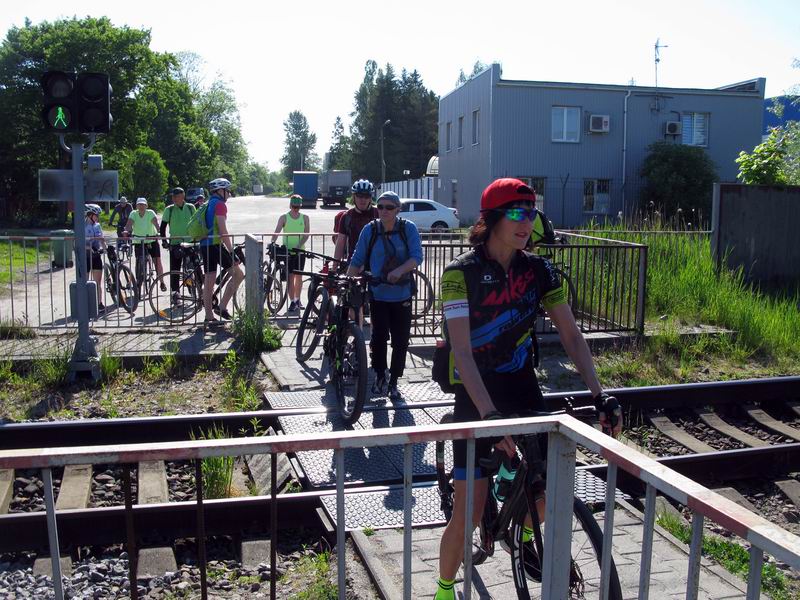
<point x="658" y="47"/>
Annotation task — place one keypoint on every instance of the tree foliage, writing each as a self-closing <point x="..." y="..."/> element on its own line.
<point x="478" y="68"/>
<point x="678" y="176"/>
<point x="340" y="154"/>
<point x="158" y="102"/>
<point x="298" y="145"/>
<point x="148" y="174"/>
<point x="775" y="161"/>
<point x="410" y="138"/>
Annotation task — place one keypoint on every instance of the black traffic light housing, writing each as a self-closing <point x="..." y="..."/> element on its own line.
<point x="94" y="103"/>
<point x="60" y="111"/>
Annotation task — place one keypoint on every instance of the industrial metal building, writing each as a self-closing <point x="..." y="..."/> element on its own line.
<point x="582" y="145"/>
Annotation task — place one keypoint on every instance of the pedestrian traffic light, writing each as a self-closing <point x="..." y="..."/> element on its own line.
<point x="94" y="103"/>
<point x="60" y="106"/>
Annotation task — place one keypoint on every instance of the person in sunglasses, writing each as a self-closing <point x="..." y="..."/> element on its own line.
<point x="389" y="248"/>
<point x="490" y="297"/>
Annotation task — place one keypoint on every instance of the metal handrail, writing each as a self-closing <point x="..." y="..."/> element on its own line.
<point x="564" y="432"/>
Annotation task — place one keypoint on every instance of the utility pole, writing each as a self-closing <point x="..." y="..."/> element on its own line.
<point x="383" y="161"/>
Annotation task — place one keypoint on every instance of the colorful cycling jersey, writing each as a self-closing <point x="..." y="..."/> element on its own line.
<point x="502" y="307"/>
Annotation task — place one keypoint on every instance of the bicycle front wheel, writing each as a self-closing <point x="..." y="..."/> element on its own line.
<point x="179" y="305"/>
<point x="349" y="374"/>
<point x="312" y="325"/>
<point x="422" y="302"/>
<point x="126" y="290"/>
<point x="587" y="550"/>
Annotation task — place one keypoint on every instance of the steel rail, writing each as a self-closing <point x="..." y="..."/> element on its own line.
<point x="170" y="428"/>
<point x="156" y="522"/>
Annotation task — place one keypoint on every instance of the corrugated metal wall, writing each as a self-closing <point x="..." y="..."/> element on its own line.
<point x="424" y="187"/>
<point x="515" y="139"/>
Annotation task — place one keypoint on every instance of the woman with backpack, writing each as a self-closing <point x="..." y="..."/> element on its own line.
<point x="389" y="248"/>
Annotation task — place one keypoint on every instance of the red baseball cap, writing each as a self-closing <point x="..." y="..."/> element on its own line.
<point x="505" y="190"/>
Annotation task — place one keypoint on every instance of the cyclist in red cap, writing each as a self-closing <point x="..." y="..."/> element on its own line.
<point x="490" y="297"/>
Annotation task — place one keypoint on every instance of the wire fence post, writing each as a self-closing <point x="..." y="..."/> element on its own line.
<point x="641" y="291"/>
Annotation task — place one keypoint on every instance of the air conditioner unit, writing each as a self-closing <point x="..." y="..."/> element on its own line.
<point x="673" y="128"/>
<point x="599" y="123"/>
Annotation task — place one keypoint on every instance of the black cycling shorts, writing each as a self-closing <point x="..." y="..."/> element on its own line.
<point x="94" y="262"/>
<point x="215" y="256"/>
<point x="150" y="247"/>
<point x="505" y="390"/>
<point x="296" y="261"/>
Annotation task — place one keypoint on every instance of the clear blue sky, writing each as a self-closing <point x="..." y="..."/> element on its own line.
<point x="279" y="57"/>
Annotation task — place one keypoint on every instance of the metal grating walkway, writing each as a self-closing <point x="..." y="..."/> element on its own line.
<point x="384" y="509"/>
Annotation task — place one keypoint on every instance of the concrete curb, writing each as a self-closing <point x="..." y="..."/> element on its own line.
<point x="387" y="590"/>
<point x="283" y="384"/>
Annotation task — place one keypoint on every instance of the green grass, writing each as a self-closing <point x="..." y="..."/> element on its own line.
<point x="732" y="556"/>
<point x="217" y="470"/>
<point x="239" y="394"/>
<point x="163" y="369"/>
<point x="110" y="366"/>
<point x="315" y="571"/>
<point x="255" y="337"/>
<point x="15" y="257"/>
<point x="682" y="283"/>
<point x="15" y="330"/>
<point x="52" y="372"/>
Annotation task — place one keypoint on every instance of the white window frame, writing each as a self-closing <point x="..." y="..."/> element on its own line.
<point x="565" y="111"/>
<point x="476" y="122"/>
<point x="599" y="199"/>
<point x="448" y="133"/>
<point x="689" y="134"/>
<point x="460" y="132"/>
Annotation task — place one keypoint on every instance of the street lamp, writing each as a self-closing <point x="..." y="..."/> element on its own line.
<point x="383" y="162"/>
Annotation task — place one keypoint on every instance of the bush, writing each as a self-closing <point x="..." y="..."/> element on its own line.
<point x="149" y="175"/>
<point x="678" y="176"/>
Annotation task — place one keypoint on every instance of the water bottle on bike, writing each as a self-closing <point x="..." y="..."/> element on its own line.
<point x="505" y="476"/>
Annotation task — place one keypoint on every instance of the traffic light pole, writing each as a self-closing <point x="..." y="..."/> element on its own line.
<point x="84" y="355"/>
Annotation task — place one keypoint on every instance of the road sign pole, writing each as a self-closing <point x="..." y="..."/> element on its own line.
<point x="84" y="355"/>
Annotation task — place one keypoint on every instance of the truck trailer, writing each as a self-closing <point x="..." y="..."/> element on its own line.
<point x="335" y="186"/>
<point x="306" y="185"/>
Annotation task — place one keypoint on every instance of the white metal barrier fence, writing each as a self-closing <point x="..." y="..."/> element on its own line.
<point x="564" y="434"/>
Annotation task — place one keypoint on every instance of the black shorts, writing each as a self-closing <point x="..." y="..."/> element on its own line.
<point x="215" y="256"/>
<point x="150" y="247"/>
<point x="94" y="262"/>
<point x="504" y="390"/>
<point x="296" y="261"/>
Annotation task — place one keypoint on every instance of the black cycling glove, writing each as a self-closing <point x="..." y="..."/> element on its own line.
<point x="608" y="407"/>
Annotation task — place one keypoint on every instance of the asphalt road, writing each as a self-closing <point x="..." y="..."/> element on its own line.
<point x="259" y="214"/>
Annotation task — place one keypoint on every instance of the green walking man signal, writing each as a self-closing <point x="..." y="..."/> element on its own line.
<point x="76" y="102"/>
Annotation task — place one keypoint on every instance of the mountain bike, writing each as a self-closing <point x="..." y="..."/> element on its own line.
<point x="504" y="522"/>
<point x="187" y="300"/>
<point x="344" y="346"/>
<point x="120" y="282"/>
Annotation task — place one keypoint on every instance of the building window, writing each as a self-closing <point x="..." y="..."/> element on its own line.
<point x="476" y="121"/>
<point x="566" y="124"/>
<point x="461" y="131"/>
<point x="695" y="129"/>
<point x="538" y="185"/>
<point x="596" y="196"/>
<point x="447" y="136"/>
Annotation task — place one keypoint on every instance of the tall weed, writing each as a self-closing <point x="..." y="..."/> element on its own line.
<point x="217" y="470"/>
<point x="683" y="283"/>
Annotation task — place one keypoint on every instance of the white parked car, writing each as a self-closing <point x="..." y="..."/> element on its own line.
<point x="427" y="214"/>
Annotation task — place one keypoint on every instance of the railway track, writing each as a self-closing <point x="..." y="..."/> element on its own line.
<point x="720" y="434"/>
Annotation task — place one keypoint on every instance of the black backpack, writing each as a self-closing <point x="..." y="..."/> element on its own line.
<point x="400" y="227"/>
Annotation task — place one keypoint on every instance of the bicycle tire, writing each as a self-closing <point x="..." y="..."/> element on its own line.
<point x="189" y="298"/>
<point x="274" y="293"/>
<point x="587" y="549"/>
<point x="126" y="291"/>
<point x="351" y="370"/>
<point x="572" y="292"/>
<point x="311" y="326"/>
<point x="422" y="304"/>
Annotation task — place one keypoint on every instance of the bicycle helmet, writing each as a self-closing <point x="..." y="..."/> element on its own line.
<point x="93" y="209"/>
<point x="362" y="186"/>
<point x="219" y="184"/>
<point x="122" y="199"/>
